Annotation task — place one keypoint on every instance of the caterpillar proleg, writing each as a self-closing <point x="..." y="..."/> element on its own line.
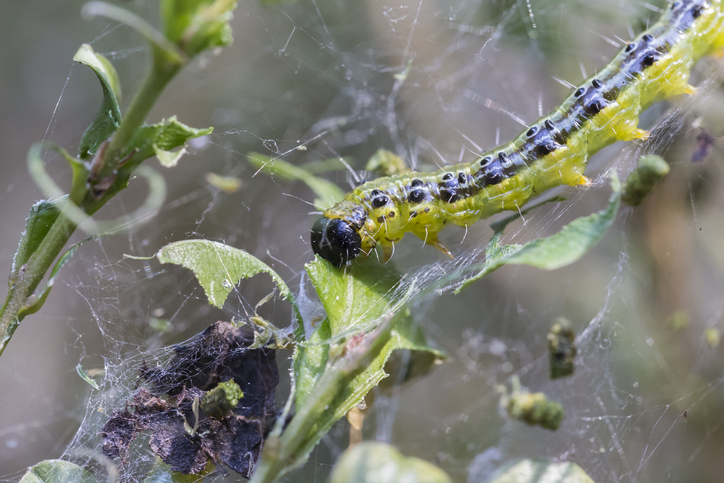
<point x="554" y="151"/>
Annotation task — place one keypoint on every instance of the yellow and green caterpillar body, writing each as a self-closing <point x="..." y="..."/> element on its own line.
<point x="552" y="152"/>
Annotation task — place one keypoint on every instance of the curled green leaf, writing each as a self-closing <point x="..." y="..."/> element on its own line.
<point x="109" y="116"/>
<point x="154" y="200"/>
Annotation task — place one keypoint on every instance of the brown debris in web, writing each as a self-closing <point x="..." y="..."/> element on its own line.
<point x="185" y="436"/>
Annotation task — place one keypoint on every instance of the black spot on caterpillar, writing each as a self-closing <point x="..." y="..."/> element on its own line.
<point x="552" y="152"/>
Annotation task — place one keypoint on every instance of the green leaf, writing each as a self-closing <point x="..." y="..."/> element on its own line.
<point x="109" y="116"/>
<point x="373" y="462"/>
<point x="162" y="138"/>
<point x="42" y="216"/>
<point x="539" y="471"/>
<point x="80" y="174"/>
<point x="355" y="304"/>
<point x="355" y="300"/>
<point x="328" y="194"/>
<point x="57" y="471"/>
<point x="219" y="267"/>
<point x="198" y="25"/>
<point x="555" y="251"/>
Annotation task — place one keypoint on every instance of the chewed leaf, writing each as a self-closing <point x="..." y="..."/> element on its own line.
<point x="161" y="139"/>
<point x="539" y="471"/>
<point x="57" y="471"/>
<point x="555" y="251"/>
<point x="198" y="25"/>
<point x="382" y="463"/>
<point x="109" y="116"/>
<point x="219" y="267"/>
<point x="327" y="193"/>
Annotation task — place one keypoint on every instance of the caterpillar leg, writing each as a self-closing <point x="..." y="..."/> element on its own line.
<point x="635" y="133"/>
<point x="641" y="134"/>
<point x="431" y="239"/>
<point x="387" y="251"/>
<point x="436" y="243"/>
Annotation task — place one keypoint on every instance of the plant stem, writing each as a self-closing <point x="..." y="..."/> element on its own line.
<point x="19" y="295"/>
<point x="281" y="453"/>
<point x="159" y="76"/>
<point x="38" y="265"/>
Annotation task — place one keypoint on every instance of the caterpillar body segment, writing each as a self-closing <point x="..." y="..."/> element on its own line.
<point x="554" y="151"/>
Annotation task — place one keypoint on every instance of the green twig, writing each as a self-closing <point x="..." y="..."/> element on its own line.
<point x="281" y="453"/>
<point x="158" y="78"/>
<point x="21" y="293"/>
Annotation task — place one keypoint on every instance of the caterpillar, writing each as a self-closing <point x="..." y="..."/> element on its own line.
<point x="553" y="151"/>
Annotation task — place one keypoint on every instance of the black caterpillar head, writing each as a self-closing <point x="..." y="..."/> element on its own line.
<point x="335" y="240"/>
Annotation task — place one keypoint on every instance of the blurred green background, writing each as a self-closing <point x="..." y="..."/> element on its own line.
<point x="435" y="82"/>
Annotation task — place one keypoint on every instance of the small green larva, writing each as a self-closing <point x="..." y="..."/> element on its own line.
<point x="552" y="152"/>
